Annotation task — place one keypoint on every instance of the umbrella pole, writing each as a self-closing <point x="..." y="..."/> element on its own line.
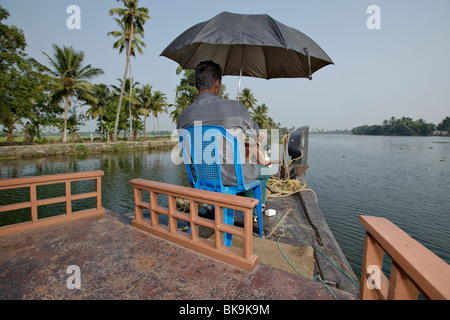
<point x="309" y="63"/>
<point x="239" y="85"/>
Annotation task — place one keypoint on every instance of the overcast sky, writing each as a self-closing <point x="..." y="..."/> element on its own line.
<point x="401" y="69"/>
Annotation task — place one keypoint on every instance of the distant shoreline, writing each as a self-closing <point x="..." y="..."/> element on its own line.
<point x="20" y="151"/>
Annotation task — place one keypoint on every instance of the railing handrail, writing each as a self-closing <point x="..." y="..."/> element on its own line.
<point x="33" y="182"/>
<point x="12" y="183"/>
<point x="244" y="259"/>
<point x="414" y="267"/>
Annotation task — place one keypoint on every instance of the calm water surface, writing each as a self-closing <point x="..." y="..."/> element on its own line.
<point x="404" y="179"/>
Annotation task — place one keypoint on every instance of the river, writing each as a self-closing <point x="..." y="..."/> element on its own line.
<point x="404" y="179"/>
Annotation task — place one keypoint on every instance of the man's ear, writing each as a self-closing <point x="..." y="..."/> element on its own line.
<point x="217" y="86"/>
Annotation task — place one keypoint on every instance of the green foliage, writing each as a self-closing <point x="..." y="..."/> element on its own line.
<point x="82" y="149"/>
<point x="20" y="85"/>
<point x="69" y="78"/>
<point x="444" y="125"/>
<point x="186" y="92"/>
<point x="401" y="127"/>
<point x="248" y="99"/>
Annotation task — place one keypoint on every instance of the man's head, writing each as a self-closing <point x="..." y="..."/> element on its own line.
<point x="208" y="77"/>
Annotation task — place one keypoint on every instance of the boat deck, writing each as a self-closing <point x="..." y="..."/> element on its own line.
<point x="117" y="261"/>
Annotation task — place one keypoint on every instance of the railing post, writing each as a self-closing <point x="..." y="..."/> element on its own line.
<point x="98" y="188"/>
<point x="68" y="199"/>
<point x="218" y="220"/>
<point x="172" y="206"/>
<point x="33" y="201"/>
<point x="248" y="231"/>
<point x="400" y="286"/>
<point x="372" y="256"/>
<point x="154" y="217"/>
<point x="137" y="199"/>
<point x="193" y="214"/>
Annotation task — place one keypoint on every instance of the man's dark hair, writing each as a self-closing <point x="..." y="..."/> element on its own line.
<point x="206" y="73"/>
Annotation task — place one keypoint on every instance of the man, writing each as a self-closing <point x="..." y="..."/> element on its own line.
<point x="210" y="109"/>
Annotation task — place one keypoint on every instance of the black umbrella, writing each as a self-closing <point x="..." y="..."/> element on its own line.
<point x="248" y="45"/>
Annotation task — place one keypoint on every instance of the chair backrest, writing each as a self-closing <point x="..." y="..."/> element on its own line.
<point x="204" y="149"/>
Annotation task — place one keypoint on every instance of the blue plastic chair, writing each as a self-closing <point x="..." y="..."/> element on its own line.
<point x="200" y="149"/>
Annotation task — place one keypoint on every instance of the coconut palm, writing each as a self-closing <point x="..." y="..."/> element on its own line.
<point x="124" y="36"/>
<point x="69" y="78"/>
<point x="102" y="94"/>
<point x="248" y="99"/>
<point x="260" y="115"/>
<point x="144" y="95"/>
<point x="132" y="20"/>
<point x="175" y="114"/>
<point x="159" y="105"/>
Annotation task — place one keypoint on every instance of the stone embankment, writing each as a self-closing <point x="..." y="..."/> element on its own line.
<point x="29" y="151"/>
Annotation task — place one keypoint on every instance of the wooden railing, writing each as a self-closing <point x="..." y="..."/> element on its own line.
<point x="33" y="182"/>
<point x="414" y="268"/>
<point x="244" y="259"/>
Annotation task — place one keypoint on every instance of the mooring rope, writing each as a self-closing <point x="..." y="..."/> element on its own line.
<point x="286" y="187"/>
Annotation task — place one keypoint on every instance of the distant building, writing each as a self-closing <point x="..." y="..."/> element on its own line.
<point x="440" y="133"/>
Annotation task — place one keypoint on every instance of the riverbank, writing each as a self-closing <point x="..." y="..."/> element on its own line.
<point x="53" y="149"/>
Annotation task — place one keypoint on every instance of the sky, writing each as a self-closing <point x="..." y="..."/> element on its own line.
<point x="400" y="69"/>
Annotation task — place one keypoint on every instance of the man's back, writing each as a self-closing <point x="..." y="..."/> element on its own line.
<point x="233" y="116"/>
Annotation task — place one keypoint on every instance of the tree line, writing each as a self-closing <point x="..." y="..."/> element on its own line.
<point x="36" y="95"/>
<point x="403" y="127"/>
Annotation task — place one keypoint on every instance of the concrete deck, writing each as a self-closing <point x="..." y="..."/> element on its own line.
<point x="119" y="262"/>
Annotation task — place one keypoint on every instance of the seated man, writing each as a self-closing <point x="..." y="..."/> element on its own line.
<point x="210" y="109"/>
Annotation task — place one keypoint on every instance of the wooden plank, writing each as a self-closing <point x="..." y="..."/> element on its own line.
<point x="15" y="206"/>
<point x="13" y="183"/>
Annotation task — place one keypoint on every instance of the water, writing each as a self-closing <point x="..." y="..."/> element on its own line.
<point x="404" y="179"/>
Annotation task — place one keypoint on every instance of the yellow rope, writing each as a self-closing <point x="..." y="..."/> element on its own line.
<point x="284" y="188"/>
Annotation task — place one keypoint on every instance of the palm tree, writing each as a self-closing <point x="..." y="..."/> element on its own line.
<point x="248" y="99"/>
<point x="132" y="18"/>
<point x="102" y="94"/>
<point x="144" y="95"/>
<point x="175" y="114"/>
<point x="260" y="115"/>
<point x="69" y="78"/>
<point x="108" y="127"/>
<point x="158" y="106"/>
<point x="124" y="35"/>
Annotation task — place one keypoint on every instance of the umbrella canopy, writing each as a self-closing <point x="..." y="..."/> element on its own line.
<point x="248" y="45"/>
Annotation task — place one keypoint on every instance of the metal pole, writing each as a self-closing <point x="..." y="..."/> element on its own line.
<point x="240" y="73"/>
<point x="239" y="86"/>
